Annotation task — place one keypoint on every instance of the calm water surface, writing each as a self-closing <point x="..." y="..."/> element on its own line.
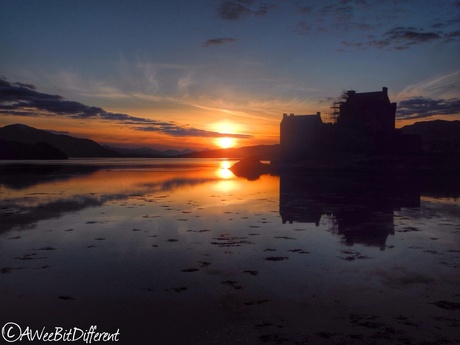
<point x="184" y="252"/>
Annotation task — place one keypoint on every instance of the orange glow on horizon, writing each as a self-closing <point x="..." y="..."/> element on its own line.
<point x="120" y="135"/>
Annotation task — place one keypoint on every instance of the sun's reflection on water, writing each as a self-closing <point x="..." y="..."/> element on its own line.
<point x="226" y="186"/>
<point x="227" y="181"/>
<point x="224" y="170"/>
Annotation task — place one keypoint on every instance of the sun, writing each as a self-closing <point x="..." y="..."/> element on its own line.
<point x="225" y="142"/>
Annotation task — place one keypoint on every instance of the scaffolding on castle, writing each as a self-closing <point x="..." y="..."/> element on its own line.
<point x="334" y="113"/>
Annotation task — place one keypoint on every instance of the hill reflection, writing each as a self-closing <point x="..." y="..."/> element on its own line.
<point x="33" y="193"/>
<point x="23" y="176"/>
<point x="360" y="208"/>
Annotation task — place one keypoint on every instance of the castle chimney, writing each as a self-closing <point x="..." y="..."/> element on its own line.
<point x="385" y="90"/>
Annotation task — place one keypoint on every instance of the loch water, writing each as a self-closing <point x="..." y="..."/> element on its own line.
<point x="181" y="251"/>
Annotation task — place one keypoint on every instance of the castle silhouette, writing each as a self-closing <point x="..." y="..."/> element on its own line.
<point x="359" y="123"/>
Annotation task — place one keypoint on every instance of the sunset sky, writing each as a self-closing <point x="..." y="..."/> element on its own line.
<point x="185" y="73"/>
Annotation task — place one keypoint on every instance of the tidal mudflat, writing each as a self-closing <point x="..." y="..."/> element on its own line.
<point x="184" y="252"/>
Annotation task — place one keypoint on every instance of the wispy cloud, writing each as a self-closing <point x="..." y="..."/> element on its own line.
<point x="232" y="10"/>
<point x="403" y="37"/>
<point x="336" y="17"/>
<point x="235" y="9"/>
<point x="302" y="9"/>
<point x="362" y="24"/>
<point x="341" y="12"/>
<point x="444" y="86"/>
<point x="218" y="41"/>
<point x="186" y="131"/>
<point x="19" y="99"/>
<point x="400" y="38"/>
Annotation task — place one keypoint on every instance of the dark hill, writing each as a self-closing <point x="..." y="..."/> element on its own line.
<point x="72" y="147"/>
<point x="146" y="152"/>
<point x="261" y="152"/>
<point x="437" y="136"/>
<point x="15" y="150"/>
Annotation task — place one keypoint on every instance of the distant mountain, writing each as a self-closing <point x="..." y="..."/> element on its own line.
<point x="16" y="150"/>
<point x="437" y="136"/>
<point x="261" y="152"/>
<point x="72" y="147"/>
<point x="146" y="152"/>
<point x="172" y="153"/>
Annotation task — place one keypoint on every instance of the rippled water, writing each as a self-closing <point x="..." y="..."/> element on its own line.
<point x="183" y="252"/>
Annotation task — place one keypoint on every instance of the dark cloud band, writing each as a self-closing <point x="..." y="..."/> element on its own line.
<point x="421" y="107"/>
<point x="218" y="41"/>
<point x="401" y="38"/>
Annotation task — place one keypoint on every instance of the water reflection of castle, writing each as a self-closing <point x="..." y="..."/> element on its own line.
<point x="363" y="208"/>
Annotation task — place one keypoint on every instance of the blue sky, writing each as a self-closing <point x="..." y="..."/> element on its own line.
<point x="232" y="66"/>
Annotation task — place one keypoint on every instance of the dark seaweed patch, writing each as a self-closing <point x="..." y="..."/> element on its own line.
<point x="189" y="270"/>
<point x="276" y="258"/>
<point x="233" y="284"/>
<point x="447" y="305"/>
